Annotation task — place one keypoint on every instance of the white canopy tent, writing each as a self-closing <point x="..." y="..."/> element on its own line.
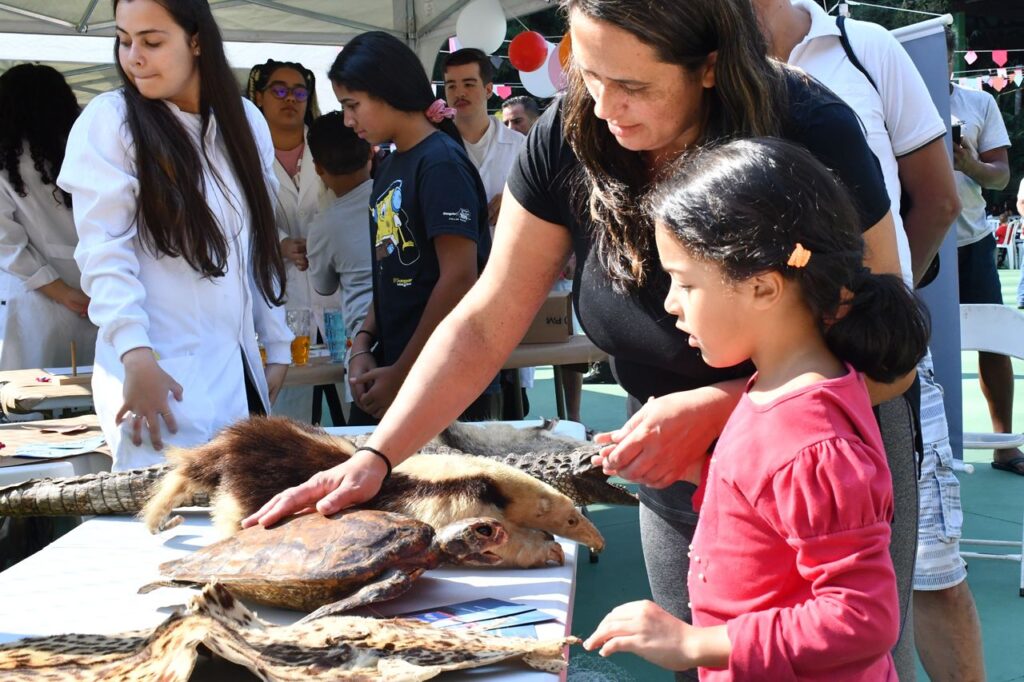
<point x="423" y="24"/>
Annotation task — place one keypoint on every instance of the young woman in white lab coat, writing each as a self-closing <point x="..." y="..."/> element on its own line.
<point x="285" y="92"/>
<point x="172" y="180"/>
<point x="37" y="231"/>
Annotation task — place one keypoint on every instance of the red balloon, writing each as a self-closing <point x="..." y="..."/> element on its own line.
<point x="528" y="51"/>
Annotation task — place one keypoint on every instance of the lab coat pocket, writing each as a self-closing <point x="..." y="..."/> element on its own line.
<point x="949" y="494"/>
<point x="192" y="414"/>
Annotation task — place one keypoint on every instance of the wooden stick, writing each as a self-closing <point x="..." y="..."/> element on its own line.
<point x="74" y="361"/>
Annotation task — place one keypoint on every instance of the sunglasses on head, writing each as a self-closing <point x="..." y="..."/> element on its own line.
<point x="299" y="92"/>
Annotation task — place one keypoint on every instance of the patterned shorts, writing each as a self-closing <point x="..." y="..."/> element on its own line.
<point x="940" y="517"/>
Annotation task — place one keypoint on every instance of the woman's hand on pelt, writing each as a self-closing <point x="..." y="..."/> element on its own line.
<point x="661" y="443"/>
<point x="351" y="482"/>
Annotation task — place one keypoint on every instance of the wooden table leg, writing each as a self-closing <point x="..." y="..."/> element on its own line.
<point x="517" y="395"/>
<point x="559" y="392"/>
<point x="330" y="392"/>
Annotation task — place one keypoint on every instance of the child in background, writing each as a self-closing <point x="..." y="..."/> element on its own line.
<point x="339" y="243"/>
<point x="790" y="576"/>
<point x="428" y="216"/>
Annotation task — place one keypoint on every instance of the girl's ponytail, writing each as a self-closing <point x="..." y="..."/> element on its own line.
<point x="441" y="115"/>
<point x="764" y="204"/>
<point x="879" y="327"/>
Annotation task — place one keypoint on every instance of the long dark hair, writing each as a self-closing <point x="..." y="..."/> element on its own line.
<point x="748" y="99"/>
<point x="173" y="216"/>
<point x="37" y="110"/>
<point x="259" y="78"/>
<point x="384" y="67"/>
<point x="745" y="205"/>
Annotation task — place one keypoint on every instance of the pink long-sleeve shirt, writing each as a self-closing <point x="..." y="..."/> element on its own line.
<point x="792" y="549"/>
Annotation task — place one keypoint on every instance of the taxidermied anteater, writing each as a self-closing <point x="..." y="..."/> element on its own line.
<point x="256" y="458"/>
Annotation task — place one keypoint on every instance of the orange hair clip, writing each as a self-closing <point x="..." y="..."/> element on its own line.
<point x="800" y="257"/>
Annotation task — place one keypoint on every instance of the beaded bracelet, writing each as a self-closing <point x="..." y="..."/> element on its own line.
<point x="387" y="462"/>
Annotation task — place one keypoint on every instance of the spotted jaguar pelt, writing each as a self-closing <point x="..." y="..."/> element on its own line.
<point x="343" y="648"/>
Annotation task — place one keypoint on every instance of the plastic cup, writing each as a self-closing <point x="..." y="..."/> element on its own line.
<point x="337" y="338"/>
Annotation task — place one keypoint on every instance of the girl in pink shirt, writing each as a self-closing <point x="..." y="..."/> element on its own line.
<point x="790" y="575"/>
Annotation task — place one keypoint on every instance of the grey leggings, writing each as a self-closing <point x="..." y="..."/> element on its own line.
<point x="666" y="536"/>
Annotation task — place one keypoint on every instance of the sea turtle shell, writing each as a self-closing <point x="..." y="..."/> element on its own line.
<point x="310" y="560"/>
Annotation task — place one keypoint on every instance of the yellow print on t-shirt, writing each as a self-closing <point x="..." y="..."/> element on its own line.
<point x="392" y="236"/>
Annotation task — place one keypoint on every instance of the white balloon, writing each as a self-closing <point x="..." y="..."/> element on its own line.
<point x="538" y="83"/>
<point x="481" y="24"/>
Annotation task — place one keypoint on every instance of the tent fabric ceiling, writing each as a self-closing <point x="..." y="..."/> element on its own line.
<point x="326" y="22"/>
<point x="423" y="24"/>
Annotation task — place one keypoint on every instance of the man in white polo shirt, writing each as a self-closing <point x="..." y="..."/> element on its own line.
<point x="492" y="147"/>
<point x="874" y="75"/>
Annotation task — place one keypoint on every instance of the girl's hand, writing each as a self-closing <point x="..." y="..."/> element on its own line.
<point x="356" y="480"/>
<point x="357" y="367"/>
<point x="384" y="383"/>
<point x="647" y="630"/>
<point x="69" y="297"/>
<point x="145" y="396"/>
<point x="667" y="438"/>
<point x="294" y="250"/>
<point x="275" y="374"/>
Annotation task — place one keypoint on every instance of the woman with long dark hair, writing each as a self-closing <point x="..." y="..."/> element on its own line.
<point x="428" y="219"/>
<point x="649" y="79"/>
<point x="171" y="178"/>
<point x="37" y="231"/>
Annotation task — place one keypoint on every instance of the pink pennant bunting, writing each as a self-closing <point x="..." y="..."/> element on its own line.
<point x="453" y="44"/>
<point x="999" y="57"/>
<point x="971" y="57"/>
<point x="997" y="82"/>
<point x="503" y="91"/>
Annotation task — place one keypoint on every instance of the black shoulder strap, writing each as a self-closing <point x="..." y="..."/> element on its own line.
<point x="845" y="40"/>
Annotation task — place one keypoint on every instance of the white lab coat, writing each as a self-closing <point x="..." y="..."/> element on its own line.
<point x="201" y="329"/>
<point x="37" y="246"/>
<point x="297" y="207"/>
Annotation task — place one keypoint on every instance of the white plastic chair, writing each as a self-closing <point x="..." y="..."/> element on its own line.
<point x="995" y="329"/>
<point x="1008" y="242"/>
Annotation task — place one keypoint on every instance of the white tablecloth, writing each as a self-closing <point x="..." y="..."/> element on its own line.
<point x="87" y="580"/>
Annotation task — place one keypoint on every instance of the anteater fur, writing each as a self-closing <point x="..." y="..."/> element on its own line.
<point x="256" y="458"/>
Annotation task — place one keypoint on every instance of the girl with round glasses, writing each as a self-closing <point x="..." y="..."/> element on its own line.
<point x="286" y="94"/>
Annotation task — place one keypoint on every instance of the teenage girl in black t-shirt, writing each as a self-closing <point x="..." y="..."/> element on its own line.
<point x="647" y="81"/>
<point x="428" y="218"/>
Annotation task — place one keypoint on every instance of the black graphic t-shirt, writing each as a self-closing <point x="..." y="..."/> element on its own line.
<point x="419" y="194"/>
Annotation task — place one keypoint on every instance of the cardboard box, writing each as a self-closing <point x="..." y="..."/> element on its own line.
<point x="553" y="323"/>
